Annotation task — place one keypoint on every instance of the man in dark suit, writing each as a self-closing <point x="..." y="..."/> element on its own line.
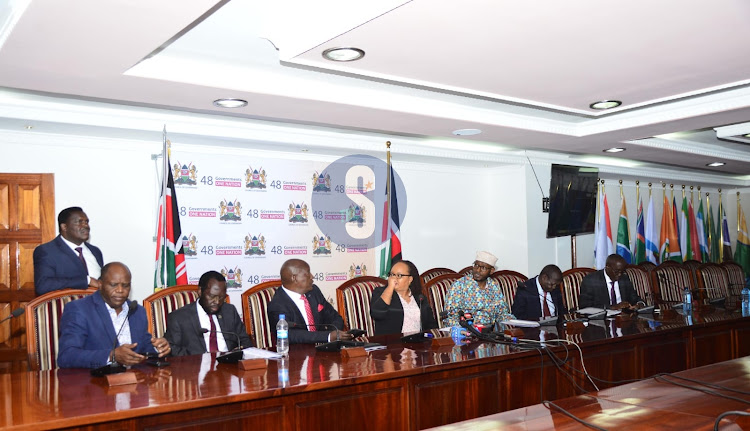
<point x="195" y="328"/>
<point x="540" y="296"/>
<point x="68" y="261"/>
<point x="304" y="306"/>
<point x="610" y="287"/>
<point x="104" y="328"/>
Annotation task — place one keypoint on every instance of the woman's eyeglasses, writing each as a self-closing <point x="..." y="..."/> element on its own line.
<point x="398" y="276"/>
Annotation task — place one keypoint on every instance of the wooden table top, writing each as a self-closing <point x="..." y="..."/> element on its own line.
<point x="71" y="397"/>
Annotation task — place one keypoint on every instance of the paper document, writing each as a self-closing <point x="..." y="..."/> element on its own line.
<point x="593" y="310"/>
<point x="521" y="323"/>
<point x="255" y="353"/>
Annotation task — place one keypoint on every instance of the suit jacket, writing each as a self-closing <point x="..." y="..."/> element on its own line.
<point x="527" y="306"/>
<point x="186" y="338"/>
<point x="58" y="267"/>
<point x="323" y="314"/>
<point x="87" y="335"/>
<point x="389" y="319"/>
<point x="595" y="292"/>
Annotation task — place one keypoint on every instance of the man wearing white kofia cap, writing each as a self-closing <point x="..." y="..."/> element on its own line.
<point x="478" y="293"/>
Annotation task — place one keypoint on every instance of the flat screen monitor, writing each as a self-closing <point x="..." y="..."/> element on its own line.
<point x="572" y="204"/>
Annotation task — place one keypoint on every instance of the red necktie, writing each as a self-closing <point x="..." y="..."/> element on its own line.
<point x="308" y="311"/>
<point x="213" y="343"/>
<point x="547" y="313"/>
<point x="83" y="261"/>
<point x="613" y="297"/>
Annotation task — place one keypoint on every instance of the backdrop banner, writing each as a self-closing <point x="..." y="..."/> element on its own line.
<point x="244" y="217"/>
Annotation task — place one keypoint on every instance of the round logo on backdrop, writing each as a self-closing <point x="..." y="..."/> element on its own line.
<point x="350" y="208"/>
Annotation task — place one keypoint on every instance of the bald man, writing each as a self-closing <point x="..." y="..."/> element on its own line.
<point x="104" y="328"/>
<point x="311" y="318"/>
<point x="610" y="287"/>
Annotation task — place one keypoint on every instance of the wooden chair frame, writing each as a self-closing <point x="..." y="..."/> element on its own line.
<point x="427" y="292"/>
<point x="32" y="339"/>
<point x="157" y="296"/>
<point x="247" y="313"/>
<point x="429" y="272"/>
<point x="341" y="303"/>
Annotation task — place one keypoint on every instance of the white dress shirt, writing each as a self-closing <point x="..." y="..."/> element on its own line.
<point x="95" y="271"/>
<point x="550" y="302"/>
<point x="206" y="324"/>
<point x="609" y="289"/>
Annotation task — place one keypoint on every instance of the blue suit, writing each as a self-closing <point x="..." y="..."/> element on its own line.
<point x="87" y="334"/>
<point x="57" y="267"/>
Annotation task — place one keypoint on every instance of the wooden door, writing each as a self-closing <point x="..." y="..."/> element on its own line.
<point x="27" y="219"/>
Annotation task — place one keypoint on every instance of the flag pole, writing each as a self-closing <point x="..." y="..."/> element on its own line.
<point x="738" y="214"/>
<point x="721" y="229"/>
<point x="163" y="204"/>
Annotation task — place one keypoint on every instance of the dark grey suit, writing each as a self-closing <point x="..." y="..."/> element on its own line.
<point x="185" y="334"/>
<point x="323" y="314"/>
<point x="595" y="292"/>
<point x="527" y="305"/>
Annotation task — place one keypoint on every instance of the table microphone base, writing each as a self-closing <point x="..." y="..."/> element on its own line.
<point x="107" y="370"/>
<point x="229" y="358"/>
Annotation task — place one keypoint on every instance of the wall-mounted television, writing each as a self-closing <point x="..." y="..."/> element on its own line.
<point x="572" y="205"/>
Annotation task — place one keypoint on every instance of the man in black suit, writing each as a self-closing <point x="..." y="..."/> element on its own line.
<point x="195" y="329"/>
<point x="610" y="287"/>
<point x="68" y="261"/>
<point x="540" y="296"/>
<point x="305" y="307"/>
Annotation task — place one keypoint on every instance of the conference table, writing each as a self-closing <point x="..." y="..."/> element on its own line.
<point x="402" y="386"/>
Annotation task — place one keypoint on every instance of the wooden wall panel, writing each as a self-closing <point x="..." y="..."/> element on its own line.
<point x="360" y="407"/>
<point x="29" y="205"/>
<point x="26" y="265"/>
<point x="4" y="207"/>
<point x="712" y="347"/>
<point x="4" y="266"/>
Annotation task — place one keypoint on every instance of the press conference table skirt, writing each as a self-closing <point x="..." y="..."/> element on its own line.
<point x="404" y="386"/>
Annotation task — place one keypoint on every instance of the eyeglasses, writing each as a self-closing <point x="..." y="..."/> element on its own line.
<point x="482" y="267"/>
<point x="398" y="276"/>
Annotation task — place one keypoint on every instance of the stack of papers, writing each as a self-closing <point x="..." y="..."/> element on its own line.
<point x="255" y="353"/>
<point x="521" y="323"/>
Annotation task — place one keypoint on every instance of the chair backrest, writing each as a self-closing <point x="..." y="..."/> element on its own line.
<point x="255" y="311"/>
<point x="571" y="286"/>
<point x="641" y="283"/>
<point x="713" y="282"/>
<point x="354" y="302"/>
<point x="508" y="281"/>
<point x="466" y="270"/>
<point x="736" y="277"/>
<point x="434" y="272"/>
<point x="158" y="305"/>
<point x="669" y="280"/>
<point x="43" y="326"/>
<point x="436" y="290"/>
<point x="647" y="266"/>
<point x="692" y="266"/>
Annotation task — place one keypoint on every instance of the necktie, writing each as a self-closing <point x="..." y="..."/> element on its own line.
<point x="83" y="261"/>
<point x="213" y="343"/>
<point x="547" y="313"/>
<point x="613" y="297"/>
<point x="308" y="311"/>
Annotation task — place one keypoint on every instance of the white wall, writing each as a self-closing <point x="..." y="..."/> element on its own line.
<point x="453" y="211"/>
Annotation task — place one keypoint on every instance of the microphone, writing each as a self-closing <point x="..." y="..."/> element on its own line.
<point x="114" y="367"/>
<point x="239" y="343"/>
<point x="15" y="313"/>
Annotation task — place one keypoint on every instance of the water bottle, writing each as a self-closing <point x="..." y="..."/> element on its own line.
<point x="282" y="336"/>
<point x="745" y="301"/>
<point x="283" y="367"/>
<point x="688" y="301"/>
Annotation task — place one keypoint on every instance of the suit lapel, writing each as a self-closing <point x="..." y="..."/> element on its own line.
<point x="298" y="318"/>
<point x="106" y="322"/>
<point x="70" y="254"/>
<point x="195" y="324"/>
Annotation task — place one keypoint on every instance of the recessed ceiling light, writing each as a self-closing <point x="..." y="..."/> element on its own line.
<point x="748" y="135"/>
<point x="343" y="54"/>
<point x="605" y="104"/>
<point x="230" y="103"/>
<point x="28" y="127"/>
<point x="614" y="150"/>
<point x="715" y="164"/>
<point x="466" y="132"/>
<point x="304" y="150"/>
